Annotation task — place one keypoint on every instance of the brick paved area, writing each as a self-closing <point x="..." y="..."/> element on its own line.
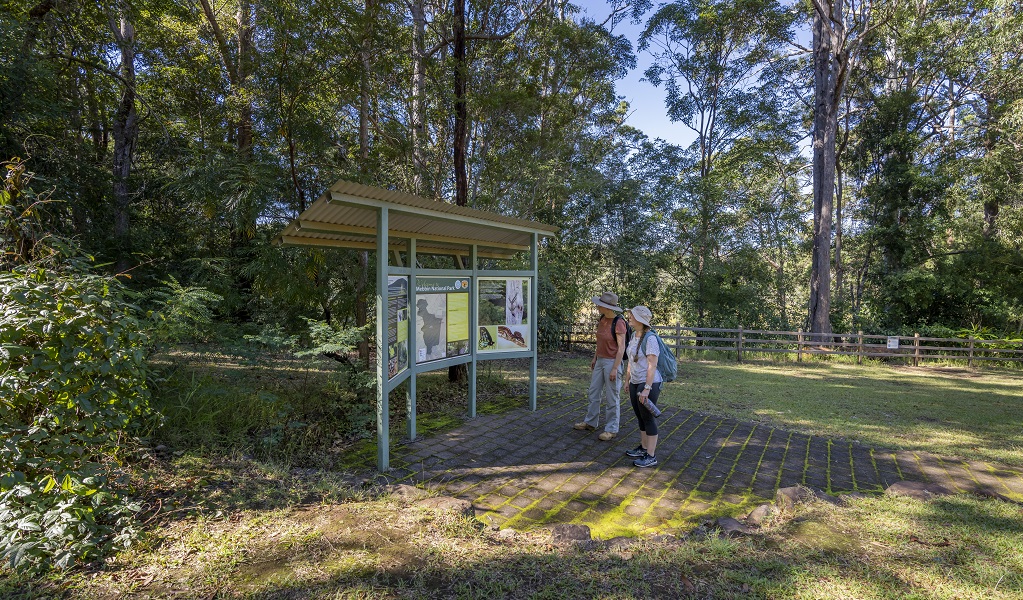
<point x="526" y="469"/>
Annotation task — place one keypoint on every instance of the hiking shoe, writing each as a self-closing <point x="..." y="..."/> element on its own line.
<point x="646" y="461"/>
<point x="607" y="436"/>
<point x="583" y="427"/>
<point x="637" y="452"/>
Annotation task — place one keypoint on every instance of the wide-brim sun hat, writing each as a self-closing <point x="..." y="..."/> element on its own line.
<point x="641" y="314"/>
<point x="608" y="300"/>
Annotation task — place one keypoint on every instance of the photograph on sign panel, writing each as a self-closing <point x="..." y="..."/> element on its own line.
<point x="397" y="325"/>
<point x="431" y="327"/>
<point x="515" y="308"/>
<point x="503" y="314"/>
<point x="487" y="340"/>
<point x="492" y="301"/>
<point x="512" y="337"/>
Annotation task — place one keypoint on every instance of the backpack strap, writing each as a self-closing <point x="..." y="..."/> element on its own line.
<point x="639" y="346"/>
<point x="614" y="335"/>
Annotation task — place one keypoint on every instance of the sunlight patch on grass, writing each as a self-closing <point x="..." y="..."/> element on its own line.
<point x="934" y="411"/>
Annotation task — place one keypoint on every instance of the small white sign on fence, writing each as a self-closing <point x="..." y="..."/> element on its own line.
<point x="893" y="342"/>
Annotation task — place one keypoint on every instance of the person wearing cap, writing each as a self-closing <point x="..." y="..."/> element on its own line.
<point x="644" y="385"/>
<point x="605" y="380"/>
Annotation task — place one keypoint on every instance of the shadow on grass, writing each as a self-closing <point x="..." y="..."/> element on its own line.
<point x="939" y="413"/>
<point x="935" y="549"/>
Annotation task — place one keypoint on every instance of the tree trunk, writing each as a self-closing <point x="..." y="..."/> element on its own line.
<point x="825" y="125"/>
<point x="362" y="307"/>
<point x="418" y="116"/>
<point x="11" y="105"/>
<point x="461" y="113"/>
<point x="366" y="58"/>
<point x="95" y="127"/>
<point x="834" y="54"/>
<point x="245" y="29"/>
<point x="839" y="189"/>
<point x="989" y="122"/>
<point x="36" y="16"/>
<point x="779" y="272"/>
<point x="125" y="130"/>
<point x="299" y="192"/>
<point x="236" y="67"/>
<point x="838" y="228"/>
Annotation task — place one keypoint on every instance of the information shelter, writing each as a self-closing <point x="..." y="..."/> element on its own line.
<point x="432" y="318"/>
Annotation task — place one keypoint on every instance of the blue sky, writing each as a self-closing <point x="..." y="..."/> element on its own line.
<point x="648" y="113"/>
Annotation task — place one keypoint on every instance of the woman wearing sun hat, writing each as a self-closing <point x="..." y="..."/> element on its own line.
<point x="605" y="382"/>
<point x="644" y="385"/>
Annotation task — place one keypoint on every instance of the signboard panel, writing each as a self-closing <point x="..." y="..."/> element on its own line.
<point x="442" y="317"/>
<point x="503" y="314"/>
<point x="893" y="342"/>
<point x="397" y="325"/>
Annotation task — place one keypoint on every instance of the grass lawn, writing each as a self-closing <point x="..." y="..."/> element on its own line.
<point x="282" y="535"/>
<point x="227" y="524"/>
<point x="947" y="411"/>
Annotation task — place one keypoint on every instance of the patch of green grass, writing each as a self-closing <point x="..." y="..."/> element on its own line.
<point x="306" y="412"/>
<point x="277" y="408"/>
<point x="880" y="547"/>
<point x="947" y="411"/>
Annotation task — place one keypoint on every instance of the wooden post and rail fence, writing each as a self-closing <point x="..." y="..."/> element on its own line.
<point x="740" y="341"/>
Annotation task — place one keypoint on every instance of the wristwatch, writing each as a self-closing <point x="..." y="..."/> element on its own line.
<point x="647" y="386"/>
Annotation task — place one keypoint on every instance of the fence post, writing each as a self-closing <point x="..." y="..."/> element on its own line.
<point x="969" y="363"/>
<point x="799" y="346"/>
<point x="678" y="338"/>
<point x="916" y="349"/>
<point x="738" y="346"/>
<point x="859" y="348"/>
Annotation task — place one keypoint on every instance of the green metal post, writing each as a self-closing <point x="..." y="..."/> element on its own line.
<point x="410" y="401"/>
<point x="473" y="330"/>
<point x="533" y="318"/>
<point x="383" y="411"/>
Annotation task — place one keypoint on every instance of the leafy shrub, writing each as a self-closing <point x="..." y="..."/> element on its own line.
<point x="181" y="313"/>
<point x="274" y="339"/>
<point x="72" y="388"/>
<point x="72" y="391"/>
<point x="22" y="217"/>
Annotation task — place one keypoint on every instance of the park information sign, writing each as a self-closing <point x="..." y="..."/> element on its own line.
<point x="397" y="325"/>
<point x="503" y="314"/>
<point x="442" y="317"/>
<point x="432" y="318"/>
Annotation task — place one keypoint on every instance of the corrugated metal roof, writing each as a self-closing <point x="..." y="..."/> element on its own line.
<point x="346" y="217"/>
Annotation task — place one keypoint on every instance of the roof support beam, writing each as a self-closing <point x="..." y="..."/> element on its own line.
<point x="292" y="240"/>
<point x="320" y="227"/>
<point x="436" y="215"/>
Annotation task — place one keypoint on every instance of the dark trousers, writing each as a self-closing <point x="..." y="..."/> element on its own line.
<point x="647" y="421"/>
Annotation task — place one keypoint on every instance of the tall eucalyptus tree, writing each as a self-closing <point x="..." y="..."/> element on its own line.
<point x="839" y="28"/>
<point x="125" y="128"/>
